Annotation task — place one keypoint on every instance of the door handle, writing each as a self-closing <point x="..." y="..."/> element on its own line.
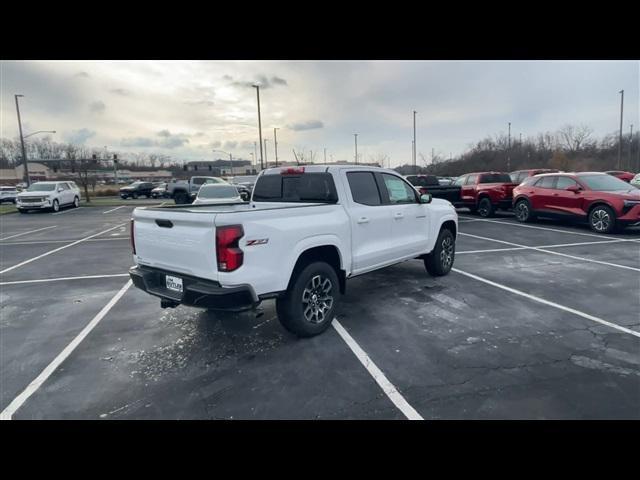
<point x="398" y="215"/>
<point x="363" y="220"/>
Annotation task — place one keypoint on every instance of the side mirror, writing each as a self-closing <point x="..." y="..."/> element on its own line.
<point x="425" y="198"/>
<point x="573" y="188"/>
<point x="60" y="190"/>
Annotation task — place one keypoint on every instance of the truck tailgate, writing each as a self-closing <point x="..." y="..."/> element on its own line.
<point x="178" y="241"/>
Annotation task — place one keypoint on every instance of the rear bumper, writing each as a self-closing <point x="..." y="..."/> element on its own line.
<point x="197" y="292"/>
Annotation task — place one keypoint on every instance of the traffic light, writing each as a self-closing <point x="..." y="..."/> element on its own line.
<point x="115" y="158"/>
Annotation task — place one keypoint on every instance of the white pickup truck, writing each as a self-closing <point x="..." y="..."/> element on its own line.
<point x="305" y="232"/>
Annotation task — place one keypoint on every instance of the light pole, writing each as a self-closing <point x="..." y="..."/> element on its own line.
<point x="275" y="143"/>
<point x="414" y="141"/>
<point x="325" y="154"/>
<point x="257" y="87"/>
<point x="230" y="159"/>
<point x="266" y="162"/>
<point x="621" y="92"/>
<point x="630" y="144"/>
<point x="509" y="150"/>
<point x="355" y="135"/>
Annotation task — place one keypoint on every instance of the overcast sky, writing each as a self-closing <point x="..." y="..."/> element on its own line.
<point x="187" y="108"/>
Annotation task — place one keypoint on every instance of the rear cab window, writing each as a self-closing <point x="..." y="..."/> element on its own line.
<point x="495" y="178"/>
<point x="312" y="187"/>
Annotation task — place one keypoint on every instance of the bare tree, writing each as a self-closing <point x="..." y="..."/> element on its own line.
<point x="574" y="137"/>
<point x="381" y="159"/>
<point x="302" y="157"/>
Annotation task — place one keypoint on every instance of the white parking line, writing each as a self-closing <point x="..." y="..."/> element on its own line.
<point x="539" y="246"/>
<point x="36" y="242"/>
<point x="59" y="279"/>
<point x="513" y="224"/>
<point x="58" y="249"/>
<point x="549" y="303"/>
<point x="387" y="387"/>
<point x="67" y="211"/>
<point x="26" y="233"/>
<point x="114" y="209"/>
<point x="17" y="402"/>
<point x="553" y="253"/>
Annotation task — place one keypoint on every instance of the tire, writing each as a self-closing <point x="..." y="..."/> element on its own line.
<point x="22" y="210"/>
<point x="134" y="196"/>
<point x="55" y="206"/>
<point x="473" y="210"/>
<point x="440" y="261"/>
<point x="486" y="208"/>
<point x="602" y="219"/>
<point x="297" y="312"/>
<point x="181" y="198"/>
<point x="76" y="202"/>
<point x="522" y="210"/>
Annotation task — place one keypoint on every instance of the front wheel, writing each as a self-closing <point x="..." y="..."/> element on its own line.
<point x="523" y="211"/>
<point x="440" y="261"/>
<point x="76" y="202"/>
<point x="602" y="219"/>
<point x="55" y="206"/>
<point x="308" y="307"/>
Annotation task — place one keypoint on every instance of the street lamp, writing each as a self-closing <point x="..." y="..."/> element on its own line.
<point x="275" y="143"/>
<point x="356" y="137"/>
<point x="230" y="159"/>
<point x="257" y="87"/>
<point x="24" y="152"/>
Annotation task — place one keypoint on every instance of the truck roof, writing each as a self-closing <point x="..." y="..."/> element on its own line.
<point x="324" y="168"/>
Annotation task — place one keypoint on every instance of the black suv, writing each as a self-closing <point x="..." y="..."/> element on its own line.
<point x="137" y="189"/>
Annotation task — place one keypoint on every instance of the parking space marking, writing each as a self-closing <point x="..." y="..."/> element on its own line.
<point x="60" y="279"/>
<point x="17" y="402"/>
<point x="552" y="229"/>
<point x="538" y="249"/>
<point x="387" y="387"/>
<point x="114" y="209"/>
<point x="26" y="233"/>
<point x="67" y="211"/>
<point x="58" y="249"/>
<point x="549" y="303"/>
<point x="578" y="244"/>
<point x="36" y="242"/>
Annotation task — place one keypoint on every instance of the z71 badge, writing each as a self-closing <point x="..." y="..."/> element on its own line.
<point x="259" y="241"/>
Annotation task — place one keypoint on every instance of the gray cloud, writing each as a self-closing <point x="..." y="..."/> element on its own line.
<point x="230" y="145"/>
<point x="82" y="75"/>
<point x="308" y="125"/>
<point x="206" y="103"/>
<point x="121" y="91"/>
<point x="216" y="144"/>
<point x="137" y="142"/>
<point x="262" y="80"/>
<point x="173" y="141"/>
<point x="164" y="133"/>
<point x="97" y="107"/>
<point x="79" y="137"/>
<point x="247" y="144"/>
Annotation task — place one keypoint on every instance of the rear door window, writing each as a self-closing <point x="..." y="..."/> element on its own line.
<point x="545" y="182"/>
<point x="364" y="189"/>
<point x="564" y="182"/>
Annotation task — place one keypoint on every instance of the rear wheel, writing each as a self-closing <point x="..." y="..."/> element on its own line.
<point x="440" y="261"/>
<point x="523" y="211"/>
<point x="486" y="208"/>
<point x="181" y="198"/>
<point x="602" y="219"/>
<point x="308" y="307"/>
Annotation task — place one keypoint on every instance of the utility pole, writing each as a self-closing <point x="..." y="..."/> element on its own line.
<point x="257" y="87"/>
<point x="630" y="144"/>
<point x="266" y="162"/>
<point x="275" y="143"/>
<point x="621" y="92"/>
<point x="356" y="137"/>
<point x="509" y="150"/>
<point x="414" y="141"/>
<point x="432" y="155"/>
<point x="115" y="168"/>
<point x="255" y="149"/>
<point x="24" y="153"/>
<point x="325" y="154"/>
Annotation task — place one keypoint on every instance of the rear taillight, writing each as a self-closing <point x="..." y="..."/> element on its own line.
<point x="292" y="171"/>
<point x="132" y="236"/>
<point x="229" y="255"/>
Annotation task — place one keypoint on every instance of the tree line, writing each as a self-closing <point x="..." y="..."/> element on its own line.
<point x="571" y="148"/>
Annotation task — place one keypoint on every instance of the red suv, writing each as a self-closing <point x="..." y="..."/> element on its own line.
<point x="520" y="176"/>
<point x="626" y="176"/>
<point x="484" y="192"/>
<point x="603" y="200"/>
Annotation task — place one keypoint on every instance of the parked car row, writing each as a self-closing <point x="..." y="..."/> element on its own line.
<point x="606" y="200"/>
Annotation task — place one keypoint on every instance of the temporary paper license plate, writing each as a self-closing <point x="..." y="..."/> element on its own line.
<point x="174" y="283"/>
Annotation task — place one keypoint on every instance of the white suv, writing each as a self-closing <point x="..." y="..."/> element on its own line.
<point x="48" y="195"/>
<point x="8" y="194"/>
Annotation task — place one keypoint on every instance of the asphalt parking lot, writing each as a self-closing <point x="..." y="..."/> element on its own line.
<point x="537" y="321"/>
